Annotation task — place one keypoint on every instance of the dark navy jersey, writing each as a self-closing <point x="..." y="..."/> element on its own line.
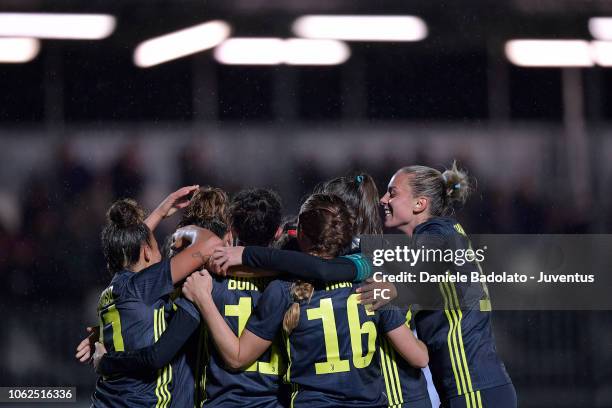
<point x="403" y="383"/>
<point x="133" y="311"/>
<point x="259" y="384"/>
<point x="459" y="336"/>
<point x="331" y="353"/>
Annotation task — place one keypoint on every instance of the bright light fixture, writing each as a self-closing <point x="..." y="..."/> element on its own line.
<point x="299" y="51"/>
<point x="602" y="53"/>
<point x="250" y="51"/>
<point x="57" y="26"/>
<point x="549" y="53"/>
<point x="601" y="28"/>
<point x="361" y="28"/>
<point x="18" y="50"/>
<point x="276" y="51"/>
<point x="181" y="43"/>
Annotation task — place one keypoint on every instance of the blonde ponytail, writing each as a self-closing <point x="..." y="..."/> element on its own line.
<point x="457" y="184"/>
<point x="442" y="189"/>
<point x="299" y="291"/>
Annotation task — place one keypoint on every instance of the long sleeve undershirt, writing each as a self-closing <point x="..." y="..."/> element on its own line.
<point x="345" y="268"/>
<point x="156" y="356"/>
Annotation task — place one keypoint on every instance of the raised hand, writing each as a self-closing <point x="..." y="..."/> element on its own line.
<point x="170" y="205"/>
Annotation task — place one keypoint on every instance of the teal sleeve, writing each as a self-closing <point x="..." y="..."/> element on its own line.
<point x="362" y="265"/>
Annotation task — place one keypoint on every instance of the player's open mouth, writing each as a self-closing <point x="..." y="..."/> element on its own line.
<point x="388" y="212"/>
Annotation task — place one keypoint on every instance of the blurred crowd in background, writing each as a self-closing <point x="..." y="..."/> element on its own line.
<point x="53" y="269"/>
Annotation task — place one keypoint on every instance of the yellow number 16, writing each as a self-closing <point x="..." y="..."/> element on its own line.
<point x="333" y="363"/>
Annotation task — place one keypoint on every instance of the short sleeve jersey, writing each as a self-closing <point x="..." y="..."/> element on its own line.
<point x="133" y="312"/>
<point x="331" y="353"/>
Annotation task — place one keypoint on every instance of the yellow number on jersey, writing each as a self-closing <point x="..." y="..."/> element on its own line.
<point x="243" y="311"/>
<point x="334" y="364"/>
<point x="357" y="330"/>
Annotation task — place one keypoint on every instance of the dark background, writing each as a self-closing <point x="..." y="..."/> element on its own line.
<point x="81" y="125"/>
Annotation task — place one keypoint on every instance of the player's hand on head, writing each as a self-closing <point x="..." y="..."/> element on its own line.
<point x="198" y="286"/>
<point x="225" y="257"/>
<point x="100" y="351"/>
<point x="376" y="294"/>
<point x="175" y="201"/>
<point x="85" y="348"/>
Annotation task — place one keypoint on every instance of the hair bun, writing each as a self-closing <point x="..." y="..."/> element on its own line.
<point x="125" y="213"/>
<point x="458" y="185"/>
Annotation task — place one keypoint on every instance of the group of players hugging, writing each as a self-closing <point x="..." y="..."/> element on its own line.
<point x="240" y="308"/>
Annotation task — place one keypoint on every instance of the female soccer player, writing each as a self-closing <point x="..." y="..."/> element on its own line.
<point x="405" y="385"/>
<point x="464" y="363"/>
<point x="360" y="195"/>
<point x="256" y="215"/>
<point x="132" y="309"/>
<point x="324" y="325"/>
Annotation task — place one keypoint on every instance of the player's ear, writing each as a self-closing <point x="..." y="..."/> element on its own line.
<point x="278" y="233"/>
<point x="146" y="252"/>
<point x="420" y="204"/>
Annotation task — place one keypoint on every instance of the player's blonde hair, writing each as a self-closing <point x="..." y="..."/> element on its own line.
<point x="444" y="189"/>
<point x="326" y="223"/>
<point x="207" y="203"/>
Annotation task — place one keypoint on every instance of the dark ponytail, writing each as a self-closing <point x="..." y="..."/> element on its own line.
<point x="360" y="195"/>
<point x="323" y="219"/>
<point x="123" y="235"/>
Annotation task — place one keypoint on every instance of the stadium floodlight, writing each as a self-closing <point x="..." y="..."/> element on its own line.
<point x="181" y="43"/>
<point x="361" y="28"/>
<point x="57" y="26"/>
<point x="18" y="50"/>
<point x="601" y="28"/>
<point x="299" y="51"/>
<point x="250" y="51"/>
<point x="276" y="51"/>
<point x="602" y="53"/>
<point x="549" y="53"/>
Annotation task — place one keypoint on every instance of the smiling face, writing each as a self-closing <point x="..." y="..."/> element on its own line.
<point x="402" y="210"/>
